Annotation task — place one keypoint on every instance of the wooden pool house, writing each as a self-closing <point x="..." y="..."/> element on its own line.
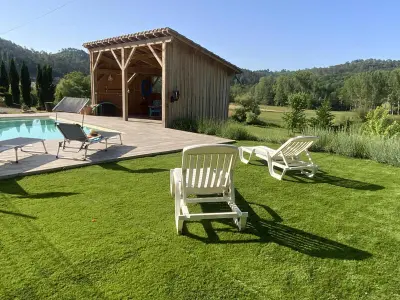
<point x="159" y="73"/>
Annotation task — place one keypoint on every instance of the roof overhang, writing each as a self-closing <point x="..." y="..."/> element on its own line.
<point x="155" y="36"/>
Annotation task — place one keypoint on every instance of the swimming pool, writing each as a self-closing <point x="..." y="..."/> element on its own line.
<point x="42" y="128"/>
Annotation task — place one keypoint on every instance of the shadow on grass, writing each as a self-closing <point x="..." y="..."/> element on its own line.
<point x="17" y="214"/>
<point x="323" y="177"/>
<point x="118" y="167"/>
<point x="265" y="125"/>
<point x="271" y="231"/>
<point x="12" y="187"/>
<point x="74" y="273"/>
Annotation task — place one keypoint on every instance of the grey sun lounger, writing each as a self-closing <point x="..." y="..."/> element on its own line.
<point x="74" y="132"/>
<point x="19" y="143"/>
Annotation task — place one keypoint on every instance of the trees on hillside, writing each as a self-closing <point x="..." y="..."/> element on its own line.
<point x="14" y="82"/>
<point x="26" y="85"/>
<point x="74" y="84"/>
<point x="264" y="90"/>
<point x="361" y="91"/>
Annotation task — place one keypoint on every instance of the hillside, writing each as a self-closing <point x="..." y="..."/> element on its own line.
<point x="71" y="59"/>
<point x="64" y="61"/>
<point x="341" y="70"/>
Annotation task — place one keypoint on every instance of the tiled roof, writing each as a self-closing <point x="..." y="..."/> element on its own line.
<point x="153" y="34"/>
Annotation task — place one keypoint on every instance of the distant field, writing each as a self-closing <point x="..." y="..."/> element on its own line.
<point x="272" y="115"/>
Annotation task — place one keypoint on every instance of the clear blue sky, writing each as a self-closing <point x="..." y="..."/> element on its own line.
<point x="255" y="35"/>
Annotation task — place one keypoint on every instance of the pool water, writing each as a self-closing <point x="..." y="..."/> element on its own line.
<point x="42" y="128"/>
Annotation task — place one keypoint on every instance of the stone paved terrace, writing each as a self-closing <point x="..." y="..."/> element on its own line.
<point x="141" y="137"/>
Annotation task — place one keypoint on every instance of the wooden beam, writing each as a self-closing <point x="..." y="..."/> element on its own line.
<point x="139" y="70"/>
<point x="132" y="77"/>
<point x="92" y="91"/>
<point x="124" y="75"/>
<point x="155" y="54"/>
<point x="97" y="60"/>
<point x="166" y="48"/>
<point x="141" y="43"/>
<point x="155" y="80"/>
<point x="120" y="64"/>
<point x="129" y="57"/>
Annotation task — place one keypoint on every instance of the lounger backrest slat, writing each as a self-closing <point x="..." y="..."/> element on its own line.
<point x="72" y="132"/>
<point x="295" y="146"/>
<point x="208" y="166"/>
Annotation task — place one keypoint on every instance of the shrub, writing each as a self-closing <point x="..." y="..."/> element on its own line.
<point x="379" y="123"/>
<point x="229" y="130"/>
<point x="251" y="118"/>
<point x="296" y="118"/>
<point x="239" y="114"/>
<point x="209" y="127"/>
<point x="185" y="124"/>
<point x="353" y="144"/>
<point x="248" y="105"/>
<point x="235" y="131"/>
<point x="362" y="113"/>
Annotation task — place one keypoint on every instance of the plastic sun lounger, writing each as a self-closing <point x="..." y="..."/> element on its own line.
<point x="74" y="132"/>
<point x="287" y="157"/>
<point x="19" y="143"/>
<point x="206" y="170"/>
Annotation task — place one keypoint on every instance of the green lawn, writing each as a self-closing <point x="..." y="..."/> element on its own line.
<point x="107" y="232"/>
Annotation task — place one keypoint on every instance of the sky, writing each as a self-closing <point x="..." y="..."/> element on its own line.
<point x="252" y="34"/>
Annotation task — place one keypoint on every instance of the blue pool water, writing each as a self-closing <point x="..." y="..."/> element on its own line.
<point x="43" y="128"/>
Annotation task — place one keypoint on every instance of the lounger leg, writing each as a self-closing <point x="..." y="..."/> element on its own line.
<point x="311" y="173"/>
<point x="243" y="221"/>
<point x="271" y="169"/>
<point x="60" y="144"/>
<point x="178" y="220"/>
<point x="120" y="138"/>
<point x="16" y="155"/>
<point x="106" y="145"/>
<point x="172" y="182"/>
<point x="86" y="148"/>
<point x="44" y="146"/>
<point x="241" y="155"/>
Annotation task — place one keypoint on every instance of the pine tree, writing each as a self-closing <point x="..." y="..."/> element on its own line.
<point x="14" y="82"/>
<point x="4" y="82"/>
<point x="324" y="115"/>
<point x="39" y="79"/>
<point x="25" y="85"/>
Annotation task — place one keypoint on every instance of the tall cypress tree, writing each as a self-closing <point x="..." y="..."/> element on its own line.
<point x="4" y="82"/>
<point x="14" y="82"/>
<point x="26" y="85"/>
<point x="39" y="81"/>
<point x="47" y="86"/>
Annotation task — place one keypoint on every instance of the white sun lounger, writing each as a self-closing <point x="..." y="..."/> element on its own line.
<point x="287" y="157"/>
<point x="206" y="170"/>
<point x="19" y="143"/>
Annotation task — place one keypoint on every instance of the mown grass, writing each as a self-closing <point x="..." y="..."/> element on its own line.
<point x="107" y="232"/>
